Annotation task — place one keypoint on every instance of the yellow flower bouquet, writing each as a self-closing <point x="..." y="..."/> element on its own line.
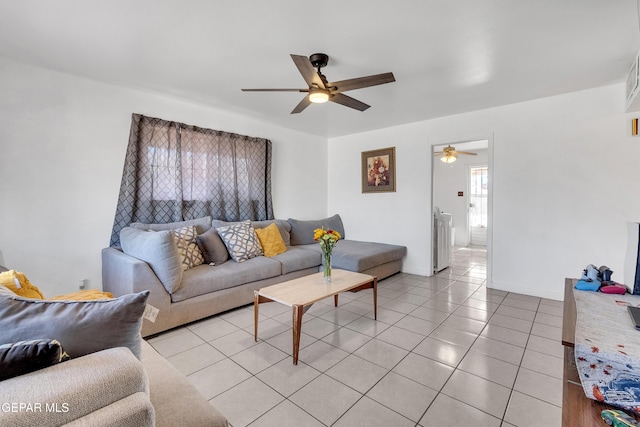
<point x="327" y="240"/>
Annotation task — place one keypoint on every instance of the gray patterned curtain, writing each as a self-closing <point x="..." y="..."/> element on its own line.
<point x="175" y="172"/>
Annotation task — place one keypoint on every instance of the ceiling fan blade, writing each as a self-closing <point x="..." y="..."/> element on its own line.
<point x="360" y="82"/>
<point x="301" y="106"/>
<point x="275" y="90"/>
<point x="437" y="152"/>
<point x="308" y="72"/>
<point x="347" y="101"/>
<point x="466" y="152"/>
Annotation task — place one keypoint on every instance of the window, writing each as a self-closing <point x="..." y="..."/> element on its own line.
<point x="175" y="172"/>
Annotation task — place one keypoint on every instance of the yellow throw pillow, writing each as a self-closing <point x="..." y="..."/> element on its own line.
<point x="271" y="240"/>
<point x="86" y="295"/>
<point x="18" y="283"/>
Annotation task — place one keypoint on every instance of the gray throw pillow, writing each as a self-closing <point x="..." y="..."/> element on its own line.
<point x="159" y="250"/>
<point x="82" y="327"/>
<point x="201" y="224"/>
<point x="212" y="247"/>
<point x="302" y="231"/>
<point x="241" y="241"/>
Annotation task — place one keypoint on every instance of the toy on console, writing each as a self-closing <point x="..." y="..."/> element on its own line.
<point x="613" y="288"/>
<point x="590" y="280"/>
<point x="617" y="418"/>
<point x="599" y="279"/>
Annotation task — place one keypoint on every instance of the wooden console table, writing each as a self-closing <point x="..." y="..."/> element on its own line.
<point x="577" y="409"/>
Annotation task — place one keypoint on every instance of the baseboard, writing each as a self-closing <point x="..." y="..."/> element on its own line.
<point x="526" y="290"/>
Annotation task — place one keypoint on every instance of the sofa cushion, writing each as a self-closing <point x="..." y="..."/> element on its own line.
<point x="201" y="224"/>
<point x="212" y="247"/>
<point x="296" y="258"/>
<point x="186" y="242"/>
<point x="176" y="401"/>
<point x="302" y="231"/>
<point x="241" y="240"/>
<point x="271" y="240"/>
<point x="205" y="279"/>
<point x="82" y="327"/>
<point x="358" y="256"/>
<point x="159" y="250"/>
<point x="21" y="357"/>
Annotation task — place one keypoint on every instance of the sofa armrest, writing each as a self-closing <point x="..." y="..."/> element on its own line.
<point x="123" y="274"/>
<point x="134" y="410"/>
<point x="73" y="389"/>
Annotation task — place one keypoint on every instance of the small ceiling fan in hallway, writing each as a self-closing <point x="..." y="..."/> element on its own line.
<point x="450" y="154"/>
<point x="321" y="90"/>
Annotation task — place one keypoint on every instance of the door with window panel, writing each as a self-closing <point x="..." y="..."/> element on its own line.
<point x="478" y="205"/>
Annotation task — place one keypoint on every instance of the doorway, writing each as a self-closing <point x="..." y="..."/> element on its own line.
<point x="478" y="212"/>
<point x="451" y="191"/>
<point x="456" y="186"/>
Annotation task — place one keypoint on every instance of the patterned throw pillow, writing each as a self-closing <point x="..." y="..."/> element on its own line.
<point x="27" y="356"/>
<point x="241" y="240"/>
<point x="187" y="243"/>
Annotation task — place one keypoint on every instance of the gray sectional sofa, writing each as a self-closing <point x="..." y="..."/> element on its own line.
<point x="221" y="284"/>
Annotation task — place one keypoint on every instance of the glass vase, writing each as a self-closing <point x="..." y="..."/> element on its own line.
<point x="326" y="278"/>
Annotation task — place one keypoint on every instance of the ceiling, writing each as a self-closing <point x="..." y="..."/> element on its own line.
<point x="448" y="57"/>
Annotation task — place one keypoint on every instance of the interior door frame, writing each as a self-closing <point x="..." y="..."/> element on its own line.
<point x="490" y="174"/>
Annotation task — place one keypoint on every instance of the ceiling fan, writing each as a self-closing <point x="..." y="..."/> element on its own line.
<point x="450" y="154"/>
<point x="320" y="90"/>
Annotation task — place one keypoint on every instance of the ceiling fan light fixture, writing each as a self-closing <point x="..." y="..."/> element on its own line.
<point x="319" y="96"/>
<point x="448" y="157"/>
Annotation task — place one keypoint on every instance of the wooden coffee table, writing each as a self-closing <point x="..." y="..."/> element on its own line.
<point x="301" y="293"/>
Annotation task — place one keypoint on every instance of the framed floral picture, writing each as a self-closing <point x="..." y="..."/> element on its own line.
<point x="379" y="170"/>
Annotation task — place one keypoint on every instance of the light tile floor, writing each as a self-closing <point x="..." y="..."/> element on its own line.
<point x="445" y="350"/>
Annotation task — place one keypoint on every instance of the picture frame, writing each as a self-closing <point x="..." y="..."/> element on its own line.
<point x="379" y="170"/>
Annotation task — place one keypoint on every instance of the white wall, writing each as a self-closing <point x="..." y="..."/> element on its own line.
<point x="448" y="180"/>
<point x="565" y="184"/>
<point x="63" y="142"/>
<point x="565" y="178"/>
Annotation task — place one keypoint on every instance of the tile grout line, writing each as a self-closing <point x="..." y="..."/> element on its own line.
<point x="403" y="288"/>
